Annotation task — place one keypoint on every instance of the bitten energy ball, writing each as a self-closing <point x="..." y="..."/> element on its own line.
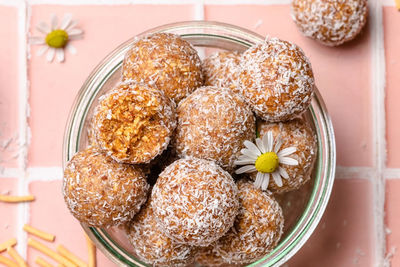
<point x="221" y="69"/>
<point x="276" y="79"/>
<point x="151" y="244"/>
<point x="330" y="22"/>
<point x="257" y="228"/>
<point x="213" y="123"/>
<point x="195" y="201"/>
<point x="134" y="123"/>
<point x="164" y="61"/>
<point x="101" y="192"/>
<point x="296" y="133"/>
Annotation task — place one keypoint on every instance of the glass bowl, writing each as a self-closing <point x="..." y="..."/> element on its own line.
<point x="303" y="209"/>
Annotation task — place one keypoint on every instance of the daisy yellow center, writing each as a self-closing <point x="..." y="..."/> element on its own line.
<point x="57" y="38"/>
<point x="267" y="162"/>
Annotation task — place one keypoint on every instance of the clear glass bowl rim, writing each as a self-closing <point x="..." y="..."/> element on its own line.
<point x="196" y="31"/>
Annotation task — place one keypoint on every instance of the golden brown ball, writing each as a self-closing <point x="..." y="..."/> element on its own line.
<point x="133" y="123"/>
<point x="276" y="80"/>
<point x="101" y="192"/>
<point x="164" y="61"/>
<point x="296" y="133"/>
<point x="213" y="123"/>
<point x="195" y="201"/>
<point x="257" y="228"/>
<point x="221" y="69"/>
<point x="331" y="22"/>
<point x="207" y="257"/>
<point x="152" y="246"/>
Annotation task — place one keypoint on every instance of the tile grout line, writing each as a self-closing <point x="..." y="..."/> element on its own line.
<point x="378" y="103"/>
<point x="23" y="114"/>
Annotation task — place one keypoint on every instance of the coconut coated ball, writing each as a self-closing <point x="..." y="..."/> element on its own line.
<point x="221" y="69"/>
<point x="296" y="133"/>
<point x="152" y="246"/>
<point x="213" y="123"/>
<point x="330" y="22"/>
<point x="133" y="123"/>
<point x="195" y="201"/>
<point x="101" y="192"/>
<point x="276" y="80"/>
<point x="164" y="61"/>
<point x="257" y="229"/>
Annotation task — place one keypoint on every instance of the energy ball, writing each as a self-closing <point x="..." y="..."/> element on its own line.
<point x="101" y="192"/>
<point x="257" y="229"/>
<point x="207" y="257"/>
<point x="195" y="201"/>
<point x="221" y="69"/>
<point x="151" y="244"/>
<point x="213" y="123"/>
<point x="296" y="133"/>
<point x="133" y="123"/>
<point x="330" y="22"/>
<point x="164" y="61"/>
<point x="276" y="80"/>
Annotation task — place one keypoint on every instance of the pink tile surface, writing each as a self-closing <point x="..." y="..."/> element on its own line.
<point x="51" y="96"/>
<point x="49" y="213"/>
<point x="346" y="96"/>
<point x="343" y="237"/>
<point x="392" y="212"/>
<point x="392" y="43"/>
<point x="8" y="211"/>
<point x="8" y="87"/>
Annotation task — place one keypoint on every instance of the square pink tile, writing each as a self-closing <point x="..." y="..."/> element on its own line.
<point x="49" y="213"/>
<point x="391" y="19"/>
<point x="54" y="86"/>
<point x="344" y="235"/>
<point x="8" y="211"/>
<point x="8" y="87"/>
<point x="342" y="74"/>
<point x="392" y="219"/>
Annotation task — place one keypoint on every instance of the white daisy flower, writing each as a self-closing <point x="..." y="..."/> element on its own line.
<point x="266" y="158"/>
<point x="57" y="37"/>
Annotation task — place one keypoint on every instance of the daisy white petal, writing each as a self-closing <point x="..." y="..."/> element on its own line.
<point x="250" y="153"/>
<point x="43" y="28"/>
<point x="74" y="32"/>
<point x="265" y="141"/>
<point x="246" y="169"/>
<point x="271" y="141"/>
<point x="287" y="151"/>
<point x="288" y="161"/>
<point x="71" y="48"/>
<point x="244" y="162"/>
<point x="259" y="180"/>
<point x="60" y="54"/>
<point x="260" y="145"/>
<point x="54" y="22"/>
<point x="265" y="183"/>
<point x="75" y="37"/>
<point x="36" y="40"/>
<point x="277" y="178"/>
<point x="71" y="25"/>
<point x="278" y="145"/>
<point x="66" y="21"/>
<point x="283" y="173"/>
<point x="41" y="51"/>
<point x="50" y="54"/>
<point x="252" y="147"/>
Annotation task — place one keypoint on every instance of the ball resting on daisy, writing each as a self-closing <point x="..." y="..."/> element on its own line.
<point x="282" y="159"/>
<point x="57" y="37"/>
